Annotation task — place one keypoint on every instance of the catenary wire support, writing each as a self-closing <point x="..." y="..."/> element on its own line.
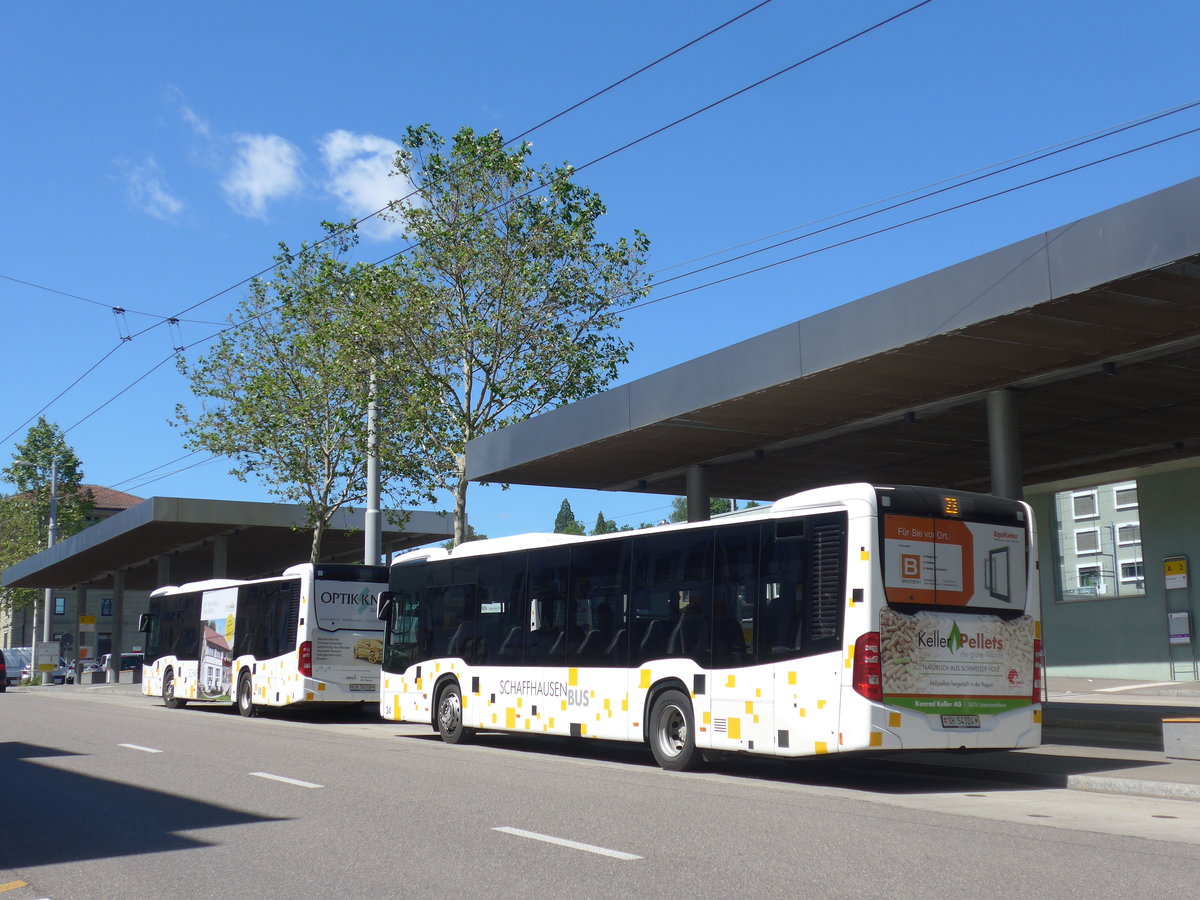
<point x="122" y="323"/>
<point x="176" y="335"/>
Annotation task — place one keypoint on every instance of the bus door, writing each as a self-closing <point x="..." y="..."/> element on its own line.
<point x="742" y="694"/>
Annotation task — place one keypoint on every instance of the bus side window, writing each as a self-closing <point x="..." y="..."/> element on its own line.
<point x="545" y="643"/>
<point x="736" y="624"/>
<point x="782" y="598"/>
<point x="501" y="610"/>
<point x="672" y="582"/>
<point x="599" y="586"/>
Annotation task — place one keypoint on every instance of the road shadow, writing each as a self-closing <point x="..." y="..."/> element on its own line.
<point x="918" y="772"/>
<point x="42" y="801"/>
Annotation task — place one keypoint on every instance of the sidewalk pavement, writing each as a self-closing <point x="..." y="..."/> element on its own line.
<point x="1101" y="735"/>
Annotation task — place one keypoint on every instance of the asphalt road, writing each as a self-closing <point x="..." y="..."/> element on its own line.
<point x="112" y="795"/>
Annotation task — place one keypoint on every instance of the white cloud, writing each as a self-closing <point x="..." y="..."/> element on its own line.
<point x="147" y="190"/>
<point x="358" y="166"/>
<point x="266" y="168"/>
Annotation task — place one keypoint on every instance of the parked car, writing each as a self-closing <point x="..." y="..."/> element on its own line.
<point x="129" y="662"/>
<point x="16" y="658"/>
<point x="3" y="674"/>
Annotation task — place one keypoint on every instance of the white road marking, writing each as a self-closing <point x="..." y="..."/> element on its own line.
<point x="138" y="747"/>
<point x="298" y="783"/>
<point x="563" y="842"/>
<point x="1134" y="687"/>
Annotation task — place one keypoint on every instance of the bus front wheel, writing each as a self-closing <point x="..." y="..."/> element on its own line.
<point x="450" y="716"/>
<point x="170" y="701"/>
<point x="673" y="731"/>
<point x="245" y="696"/>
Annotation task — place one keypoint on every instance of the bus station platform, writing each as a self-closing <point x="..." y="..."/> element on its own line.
<point x="1102" y="735"/>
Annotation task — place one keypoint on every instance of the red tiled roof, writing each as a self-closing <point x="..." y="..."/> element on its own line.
<point x="107" y="498"/>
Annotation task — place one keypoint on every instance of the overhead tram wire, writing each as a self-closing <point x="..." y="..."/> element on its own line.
<point x="141" y="475"/>
<point x="172" y="474"/>
<point x="988" y="172"/>
<point x="762" y="81"/>
<point x="991" y="167"/>
<point x="525" y="133"/>
<point x="914" y="220"/>
<point x="707" y="108"/>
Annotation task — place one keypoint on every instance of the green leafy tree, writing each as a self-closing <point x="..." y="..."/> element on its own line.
<point x="716" y="506"/>
<point x="43" y="463"/>
<point x="565" y="522"/>
<point x="508" y="303"/>
<point x="283" y="392"/>
<point x="603" y="525"/>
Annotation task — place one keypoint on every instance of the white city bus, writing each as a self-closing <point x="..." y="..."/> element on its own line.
<point x="310" y="635"/>
<point x="843" y="618"/>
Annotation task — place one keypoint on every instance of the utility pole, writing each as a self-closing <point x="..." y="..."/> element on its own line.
<point x="372" y="524"/>
<point x="52" y="538"/>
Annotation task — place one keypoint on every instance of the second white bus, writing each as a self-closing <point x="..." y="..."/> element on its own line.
<point x="310" y="635"/>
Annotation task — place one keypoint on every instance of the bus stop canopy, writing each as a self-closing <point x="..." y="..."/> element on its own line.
<point x="1093" y="327"/>
<point x="197" y="538"/>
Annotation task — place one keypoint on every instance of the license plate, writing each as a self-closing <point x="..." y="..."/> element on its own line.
<point x="371" y="687"/>
<point x="960" y="721"/>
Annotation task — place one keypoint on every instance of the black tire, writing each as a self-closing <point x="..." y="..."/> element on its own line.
<point x="449" y="716"/>
<point x="170" y="701"/>
<point x="673" y="731"/>
<point x="245" y="696"/>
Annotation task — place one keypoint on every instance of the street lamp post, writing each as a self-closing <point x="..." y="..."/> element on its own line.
<point x="51" y="539"/>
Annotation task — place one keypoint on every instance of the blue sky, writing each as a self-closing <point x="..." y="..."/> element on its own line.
<point x="156" y="153"/>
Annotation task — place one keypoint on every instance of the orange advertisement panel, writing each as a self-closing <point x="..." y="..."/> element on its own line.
<point x="947" y="562"/>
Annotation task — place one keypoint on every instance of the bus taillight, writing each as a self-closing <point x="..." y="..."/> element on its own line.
<point x="867" y="674"/>
<point x="1037" y="671"/>
<point x="306" y="659"/>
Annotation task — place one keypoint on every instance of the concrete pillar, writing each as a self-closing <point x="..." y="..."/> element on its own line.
<point x="1004" y="444"/>
<point x="164" y="571"/>
<point x="697" y="494"/>
<point x="82" y="638"/>
<point x="220" y="557"/>
<point x="118" y="628"/>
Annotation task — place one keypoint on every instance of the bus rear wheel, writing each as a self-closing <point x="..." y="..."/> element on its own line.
<point x="245" y="696"/>
<point x="170" y="701"/>
<point x="673" y="731"/>
<point x="450" y="716"/>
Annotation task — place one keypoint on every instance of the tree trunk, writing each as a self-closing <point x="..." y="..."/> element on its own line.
<point x="460" y="502"/>
<point x="318" y="534"/>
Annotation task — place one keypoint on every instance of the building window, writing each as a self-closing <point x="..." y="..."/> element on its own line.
<point x="1087" y="542"/>
<point x="1129" y="534"/>
<point x="1133" y="571"/>
<point x="1088" y="580"/>
<point x="1125" y="496"/>
<point x="60" y="606"/>
<point x="106" y="606"/>
<point x="1084" y="505"/>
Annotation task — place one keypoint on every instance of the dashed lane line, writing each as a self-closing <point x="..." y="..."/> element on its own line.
<point x="563" y="842"/>
<point x="295" y="781"/>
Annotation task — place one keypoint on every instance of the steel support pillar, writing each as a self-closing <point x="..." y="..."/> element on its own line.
<point x="1004" y="444"/>
<point x="697" y="494"/>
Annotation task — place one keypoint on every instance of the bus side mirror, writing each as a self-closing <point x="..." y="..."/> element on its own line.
<point x="146" y="622"/>
<point x="383" y="608"/>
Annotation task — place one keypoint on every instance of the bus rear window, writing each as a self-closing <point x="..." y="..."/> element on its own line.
<point x="949" y="562"/>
